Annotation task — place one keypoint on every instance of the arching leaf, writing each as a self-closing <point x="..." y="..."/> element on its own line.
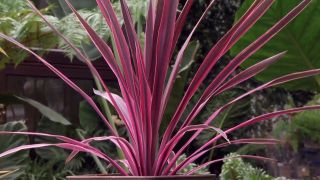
<point x="46" y="111"/>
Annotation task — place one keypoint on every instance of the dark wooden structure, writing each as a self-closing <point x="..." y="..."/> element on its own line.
<point x="33" y="80"/>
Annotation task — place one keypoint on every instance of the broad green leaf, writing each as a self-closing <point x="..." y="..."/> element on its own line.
<point x="300" y="38"/>
<point x="46" y="111"/>
<point x="18" y="160"/>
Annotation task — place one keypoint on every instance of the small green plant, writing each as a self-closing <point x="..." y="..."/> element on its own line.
<point x="191" y="166"/>
<point x="303" y="127"/>
<point x="234" y="168"/>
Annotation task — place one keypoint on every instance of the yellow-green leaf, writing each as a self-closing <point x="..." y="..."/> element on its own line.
<point x="3" y="52"/>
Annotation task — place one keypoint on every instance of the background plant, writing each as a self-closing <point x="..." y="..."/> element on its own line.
<point x="301" y="45"/>
<point x="20" y="22"/>
<point x="235" y="168"/>
<point x="299" y="39"/>
<point x="302" y="127"/>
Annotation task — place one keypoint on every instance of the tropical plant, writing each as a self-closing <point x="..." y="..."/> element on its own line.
<point x="19" y="21"/>
<point x="299" y="39"/>
<point x="145" y="90"/>
<point x="71" y="28"/>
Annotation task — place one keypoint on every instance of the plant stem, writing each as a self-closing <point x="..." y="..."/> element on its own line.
<point x="107" y="112"/>
<point x="139" y="23"/>
<point x="95" y="158"/>
<point x="220" y="126"/>
<point x="116" y="55"/>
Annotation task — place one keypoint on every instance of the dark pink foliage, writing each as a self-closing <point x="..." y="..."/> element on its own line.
<point x="141" y="74"/>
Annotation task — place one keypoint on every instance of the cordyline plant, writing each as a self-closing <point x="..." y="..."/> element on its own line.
<point x="146" y="85"/>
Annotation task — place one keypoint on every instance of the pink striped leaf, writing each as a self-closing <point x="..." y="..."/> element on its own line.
<point x="165" y="154"/>
<point x="120" y="42"/>
<point x="248" y="19"/>
<point x="246" y="53"/>
<point x="263" y="117"/>
<point x="69" y="144"/>
<point x="192" y="171"/>
<point x="278" y="81"/>
<point x="118" y="101"/>
<point x="129" y="152"/>
<point x="237" y="79"/>
<point x="145" y="91"/>
<point x="63" y="77"/>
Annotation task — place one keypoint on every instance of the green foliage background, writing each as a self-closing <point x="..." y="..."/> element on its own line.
<point x="300" y="38"/>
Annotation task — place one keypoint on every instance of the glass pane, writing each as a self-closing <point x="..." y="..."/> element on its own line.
<point x="52" y="92"/>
